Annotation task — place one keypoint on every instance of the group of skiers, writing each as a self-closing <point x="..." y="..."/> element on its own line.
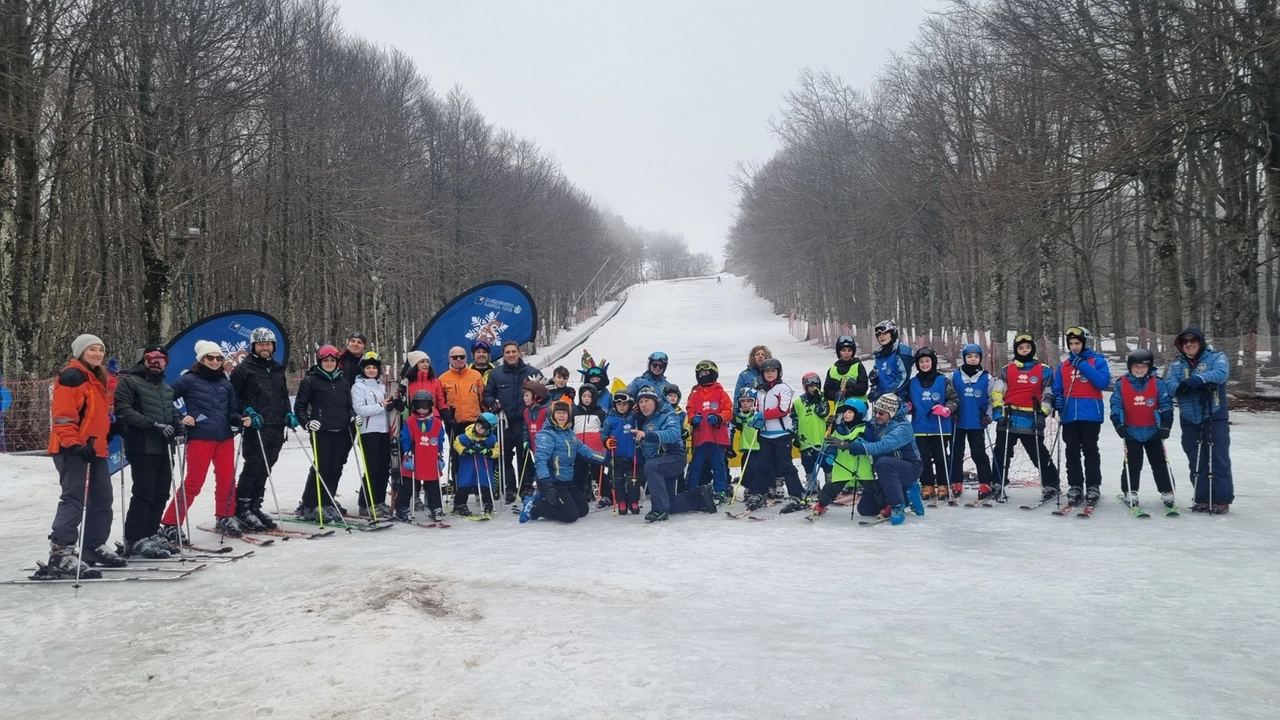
<point x="892" y="437"/>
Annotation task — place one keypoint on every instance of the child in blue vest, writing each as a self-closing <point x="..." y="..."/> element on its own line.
<point x="933" y="400"/>
<point x="973" y="414"/>
<point x="1142" y="413"/>
<point x="621" y="447"/>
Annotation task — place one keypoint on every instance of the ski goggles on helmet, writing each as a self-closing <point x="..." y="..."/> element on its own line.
<point x="327" y="351"/>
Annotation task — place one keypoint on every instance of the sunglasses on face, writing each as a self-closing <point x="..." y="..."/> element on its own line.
<point x="457" y="357"/>
<point x="215" y="358"/>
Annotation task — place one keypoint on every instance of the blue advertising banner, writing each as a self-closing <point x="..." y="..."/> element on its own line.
<point x="230" y="330"/>
<point x="495" y="312"/>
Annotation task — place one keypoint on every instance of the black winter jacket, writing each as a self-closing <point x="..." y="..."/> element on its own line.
<point x="506" y="385"/>
<point x="324" y="398"/>
<point x="208" y="392"/>
<point x="260" y="384"/>
<point x="142" y="400"/>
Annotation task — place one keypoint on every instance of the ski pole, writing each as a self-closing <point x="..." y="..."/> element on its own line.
<point x="368" y="483"/>
<point x="231" y="494"/>
<point x="742" y="473"/>
<point x="946" y="460"/>
<point x="323" y="486"/>
<point x="1173" y="485"/>
<point x="84" y="515"/>
<point x="262" y="447"/>
<point x="124" y="500"/>
<point x="1124" y="474"/>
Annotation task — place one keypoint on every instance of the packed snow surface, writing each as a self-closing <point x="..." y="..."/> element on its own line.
<point x="964" y="613"/>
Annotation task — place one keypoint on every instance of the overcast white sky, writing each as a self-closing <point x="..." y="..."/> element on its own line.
<point x="647" y="106"/>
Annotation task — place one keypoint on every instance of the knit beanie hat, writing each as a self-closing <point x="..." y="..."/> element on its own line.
<point x="204" y="347"/>
<point x="887" y="404"/>
<point x="82" y="343"/>
<point x="415" y="357"/>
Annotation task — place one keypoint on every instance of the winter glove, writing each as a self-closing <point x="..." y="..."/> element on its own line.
<point x="546" y="487"/>
<point x="730" y="453"/>
<point x="1059" y="404"/>
<point x="696" y="420"/>
<point x="837" y="443"/>
<point x="359" y="421"/>
<point x="611" y="443"/>
<point x="941" y="411"/>
<point x="255" y="420"/>
<point x="985" y="420"/>
<point x="1040" y="421"/>
<point x="1120" y="431"/>
<point x="715" y="420"/>
<point x="406" y="462"/>
<point x="1002" y="423"/>
<point x="857" y="448"/>
<point x="795" y="442"/>
<point x="163" y="429"/>
<point x="440" y="466"/>
<point x="313" y="426"/>
<point x="873" y="378"/>
<point x="757" y="421"/>
<point x="398" y="404"/>
<point x="447" y="415"/>
<point x="1195" y="382"/>
<point x="291" y="420"/>
<point x="1164" y="433"/>
<point x="495" y="407"/>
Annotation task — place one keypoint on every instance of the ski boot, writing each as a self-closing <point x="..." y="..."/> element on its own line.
<point x="721" y="498"/>
<point x="635" y="508"/>
<point x="526" y="510"/>
<point x="462" y="510"/>
<point x="418" y="505"/>
<point x="149" y="548"/>
<point x="510" y="497"/>
<point x="267" y="522"/>
<point x="1131" y="498"/>
<point x="655" y="516"/>
<point x="603" y="503"/>
<point x="818" y="511"/>
<point x="247" y="520"/>
<point x="1074" y="497"/>
<point x="1219" y="509"/>
<point x="792" y="505"/>
<point x="926" y="492"/>
<point x="1168" y="500"/>
<point x="64" y="563"/>
<point x="1048" y="494"/>
<point x="984" y="491"/>
<point x="623" y="507"/>
<point x="437" y="515"/>
<point x="913" y="497"/>
<point x="229" y="526"/>
<point x="898" y="515"/>
<point x="332" y="515"/>
<point x="103" y="556"/>
<point x="957" y="489"/>
<point x="488" y="510"/>
<point x="754" y="502"/>
<point x="997" y="492"/>
<point x="383" y="510"/>
<point x="173" y="535"/>
<point x="708" y="499"/>
<point x="1200" y="507"/>
<point x="403" y="515"/>
<point x="1092" y="496"/>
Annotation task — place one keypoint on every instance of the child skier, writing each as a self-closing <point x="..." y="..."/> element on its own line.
<point x="422" y="443"/>
<point x="370" y="402"/>
<point x="672" y="393"/>
<point x="560" y="389"/>
<point x="973" y="414"/>
<point x="534" y="417"/>
<point x="933" y="400"/>
<point x="1021" y="399"/>
<point x="749" y="423"/>
<point x="557" y="450"/>
<point x="1077" y="396"/>
<point x="810" y="415"/>
<point x="775" y="437"/>
<point x="846" y="378"/>
<point x="845" y="467"/>
<point x="621" y="445"/>
<point x="477" y="449"/>
<point x="893" y="363"/>
<point x="1142" y="413"/>
<point x="588" y="421"/>
<point x="710" y="412"/>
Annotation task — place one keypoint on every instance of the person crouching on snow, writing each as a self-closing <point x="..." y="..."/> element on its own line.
<point x="557" y="449"/>
<point x="890" y="442"/>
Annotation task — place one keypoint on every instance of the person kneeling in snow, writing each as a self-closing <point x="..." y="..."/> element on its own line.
<point x="889" y="440"/>
<point x="659" y="440"/>
<point x="557" y="447"/>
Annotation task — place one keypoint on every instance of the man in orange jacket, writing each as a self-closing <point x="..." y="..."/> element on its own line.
<point x="463" y="389"/>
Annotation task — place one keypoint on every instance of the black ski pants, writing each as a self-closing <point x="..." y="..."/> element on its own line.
<point x="152" y="477"/>
<point x="260" y="449"/>
<point x="1036" y="451"/>
<point x="1154" y="449"/>
<point x="331" y="448"/>
<point x="1080" y="442"/>
<point x="377" y="466"/>
<point x="561" y="501"/>
<point x="933" y="453"/>
<point x="977" y="441"/>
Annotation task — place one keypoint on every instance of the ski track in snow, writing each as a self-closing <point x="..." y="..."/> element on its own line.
<point x="990" y="613"/>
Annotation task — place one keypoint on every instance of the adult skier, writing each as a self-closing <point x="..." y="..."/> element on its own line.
<point x="149" y="425"/>
<point x="892" y="446"/>
<point x="262" y="394"/>
<point x="1198" y="382"/>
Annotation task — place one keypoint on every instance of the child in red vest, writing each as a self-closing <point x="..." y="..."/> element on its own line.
<point x="422" y="449"/>
<point x="1142" y="413"/>
<point x="1021" y="399"/>
<point x="1077" y="396"/>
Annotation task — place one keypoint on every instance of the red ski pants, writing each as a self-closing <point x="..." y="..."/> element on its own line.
<point x="222" y="453"/>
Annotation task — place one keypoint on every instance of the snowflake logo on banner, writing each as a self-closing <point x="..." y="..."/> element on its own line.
<point x="235" y="351"/>
<point x="488" y="328"/>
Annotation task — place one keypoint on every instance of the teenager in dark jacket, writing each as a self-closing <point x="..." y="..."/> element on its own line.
<point x="211" y="419"/>
<point x="148" y="424"/>
<point x="323" y="407"/>
<point x="263" y="396"/>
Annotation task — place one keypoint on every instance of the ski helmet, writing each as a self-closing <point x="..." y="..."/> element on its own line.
<point x="1141" y="356"/>
<point x="327" y="351"/>
<point x="970" y="349"/>
<point x="422" y="400"/>
<point x="1081" y="334"/>
<point x="846" y="341"/>
<point x="622" y="396"/>
<point x="706" y="372"/>
<point x="887" y="326"/>
<point x="672" y="388"/>
<point x="263" y="335"/>
<point x="747" y="394"/>
<point x="486" y="422"/>
<point x="659" y="358"/>
<point x="771" y="364"/>
<point x="810" y="379"/>
<point x="858" y="406"/>
<point x="926" y="352"/>
<point x="370" y="358"/>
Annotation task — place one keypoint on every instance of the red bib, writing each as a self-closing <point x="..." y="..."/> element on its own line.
<point x="1141" y="409"/>
<point x="1024" y="386"/>
<point x="1075" y="386"/>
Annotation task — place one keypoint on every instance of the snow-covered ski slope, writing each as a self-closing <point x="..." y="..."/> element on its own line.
<point x="965" y="613"/>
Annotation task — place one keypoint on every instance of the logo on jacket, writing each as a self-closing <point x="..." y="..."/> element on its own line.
<point x="488" y="328"/>
<point x="971" y="392"/>
<point x="1202" y="367"/>
<point x="1139" y="399"/>
<point x="930" y="395"/>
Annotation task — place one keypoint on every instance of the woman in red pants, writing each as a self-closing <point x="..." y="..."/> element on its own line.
<point x="211" y="419"/>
